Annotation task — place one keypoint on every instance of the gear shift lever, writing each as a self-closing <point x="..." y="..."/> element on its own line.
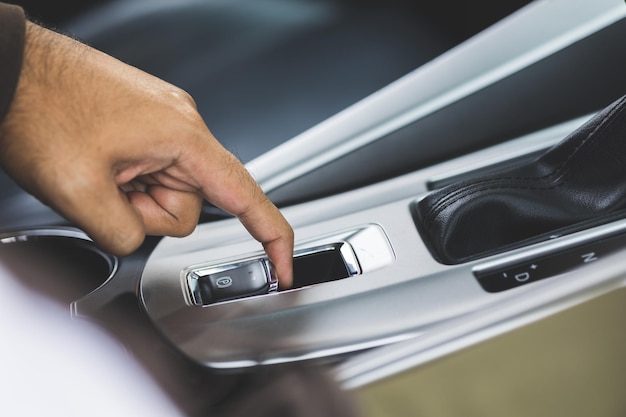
<point x="580" y="182"/>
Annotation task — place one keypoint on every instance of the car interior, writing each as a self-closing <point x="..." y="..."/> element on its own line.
<point x="454" y="176"/>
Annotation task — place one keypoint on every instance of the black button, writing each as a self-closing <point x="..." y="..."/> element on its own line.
<point x="513" y="275"/>
<point x="240" y="281"/>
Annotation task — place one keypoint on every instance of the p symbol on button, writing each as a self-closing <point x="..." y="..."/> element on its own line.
<point x="224" y="282"/>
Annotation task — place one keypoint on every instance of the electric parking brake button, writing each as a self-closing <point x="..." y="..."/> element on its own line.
<point x="228" y="282"/>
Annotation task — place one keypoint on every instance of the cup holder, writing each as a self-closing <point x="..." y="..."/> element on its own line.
<point x="61" y="262"/>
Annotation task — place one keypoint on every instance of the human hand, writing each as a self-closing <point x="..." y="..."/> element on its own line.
<point x="123" y="154"/>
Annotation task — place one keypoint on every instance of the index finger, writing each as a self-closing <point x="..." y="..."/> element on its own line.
<point x="225" y="182"/>
<point x="266" y="224"/>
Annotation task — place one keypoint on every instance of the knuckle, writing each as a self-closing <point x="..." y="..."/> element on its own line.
<point x="126" y="241"/>
<point x="187" y="222"/>
<point x="119" y="242"/>
<point x="187" y="227"/>
<point x="183" y="98"/>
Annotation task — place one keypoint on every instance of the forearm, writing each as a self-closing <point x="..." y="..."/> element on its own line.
<point x="12" y="35"/>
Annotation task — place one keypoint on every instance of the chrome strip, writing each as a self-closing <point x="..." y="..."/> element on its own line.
<point x="23" y="235"/>
<point x="369" y="241"/>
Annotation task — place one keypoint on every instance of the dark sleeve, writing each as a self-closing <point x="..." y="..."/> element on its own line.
<point x="12" y="36"/>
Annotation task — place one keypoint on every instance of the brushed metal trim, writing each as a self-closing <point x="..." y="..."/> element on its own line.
<point x="516" y="42"/>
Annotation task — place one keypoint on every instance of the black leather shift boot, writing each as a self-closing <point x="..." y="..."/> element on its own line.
<point x="578" y="183"/>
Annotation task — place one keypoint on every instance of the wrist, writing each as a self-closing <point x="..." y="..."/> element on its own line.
<point x="45" y="77"/>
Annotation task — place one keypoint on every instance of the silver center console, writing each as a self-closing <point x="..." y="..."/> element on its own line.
<point x="390" y="290"/>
